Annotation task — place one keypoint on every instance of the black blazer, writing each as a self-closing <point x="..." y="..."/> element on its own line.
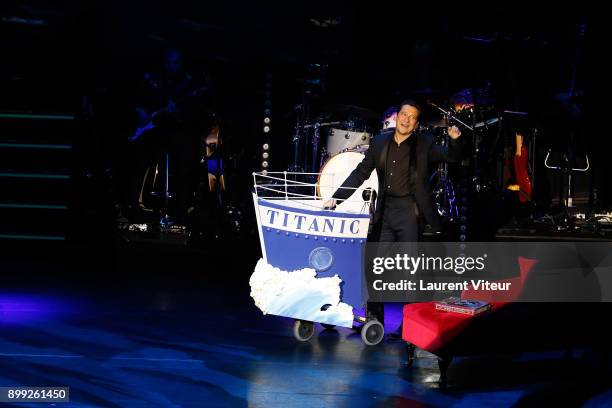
<point x="376" y="158"/>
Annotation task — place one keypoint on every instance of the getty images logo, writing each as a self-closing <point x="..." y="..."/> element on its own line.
<point x="411" y="264"/>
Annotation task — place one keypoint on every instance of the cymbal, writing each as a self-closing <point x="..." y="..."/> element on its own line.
<point x="322" y="124"/>
<point x="437" y="122"/>
<point x="467" y="98"/>
<point x="515" y="113"/>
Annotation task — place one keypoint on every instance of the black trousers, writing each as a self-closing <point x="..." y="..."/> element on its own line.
<point x="399" y="220"/>
<point x="398" y="224"/>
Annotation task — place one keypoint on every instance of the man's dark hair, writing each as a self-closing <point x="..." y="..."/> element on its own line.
<point x="411" y="102"/>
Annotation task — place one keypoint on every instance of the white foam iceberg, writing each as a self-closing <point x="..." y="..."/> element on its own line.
<point x="299" y="295"/>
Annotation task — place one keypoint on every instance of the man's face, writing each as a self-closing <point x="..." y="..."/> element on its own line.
<point x="407" y="120"/>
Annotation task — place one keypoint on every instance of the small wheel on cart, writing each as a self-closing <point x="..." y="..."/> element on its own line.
<point x="372" y="332"/>
<point x="328" y="326"/>
<point x="303" y="330"/>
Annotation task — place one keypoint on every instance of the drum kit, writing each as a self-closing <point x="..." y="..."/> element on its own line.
<point x="342" y="129"/>
<point x="331" y="146"/>
<point x="334" y="143"/>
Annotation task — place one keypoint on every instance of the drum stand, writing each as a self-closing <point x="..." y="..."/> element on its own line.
<point x="297" y="138"/>
<point x="165" y="219"/>
<point x="566" y="169"/>
<point x="444" y="191"/>
<point x="315" y="147"/>
<point x="315" y="163"/>
<point x="451" y="117"/>
<point x="164" y="195"/>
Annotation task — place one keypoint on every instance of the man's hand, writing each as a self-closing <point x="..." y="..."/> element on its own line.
<point x="453" y="132"/>
<point x="329" y="204"/>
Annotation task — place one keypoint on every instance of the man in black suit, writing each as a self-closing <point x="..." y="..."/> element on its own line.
<point x="401" y="157"/>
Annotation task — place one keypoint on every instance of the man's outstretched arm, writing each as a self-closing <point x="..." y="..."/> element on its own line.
<point x="361" y="173"/>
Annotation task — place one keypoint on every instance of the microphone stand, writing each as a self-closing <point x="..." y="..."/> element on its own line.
<point x="297" y="137"/>
<point x="450" y="116"/>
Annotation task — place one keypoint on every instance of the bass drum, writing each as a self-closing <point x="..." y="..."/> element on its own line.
<point x="333" y="174"/>
<point x="340" y="140"/>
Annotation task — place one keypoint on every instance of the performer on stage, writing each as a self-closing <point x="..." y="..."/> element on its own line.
<point x="401" y="157"/>
<point x="173" y="114"/>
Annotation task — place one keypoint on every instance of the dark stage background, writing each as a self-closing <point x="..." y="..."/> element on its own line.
<point x="88" y="59"/>
<point x="165" y="317"/>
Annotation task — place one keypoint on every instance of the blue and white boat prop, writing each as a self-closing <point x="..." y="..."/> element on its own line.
<point x="311" y="268"/>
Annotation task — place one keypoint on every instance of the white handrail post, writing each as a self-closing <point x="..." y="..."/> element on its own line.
<point x="285" y="177"/>
<point x="255" y="184"/>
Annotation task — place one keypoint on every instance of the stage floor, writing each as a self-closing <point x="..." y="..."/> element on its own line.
<point x="145" y="327"/>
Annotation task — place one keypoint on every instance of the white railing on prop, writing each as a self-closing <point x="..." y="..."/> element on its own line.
<point x="310" y="190"/>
